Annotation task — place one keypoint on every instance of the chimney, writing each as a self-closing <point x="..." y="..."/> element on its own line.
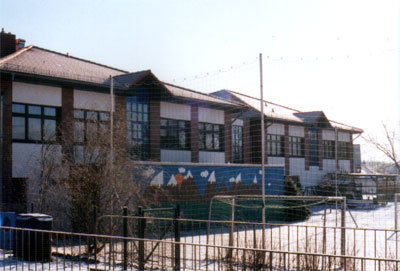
<point x="20" y="43"/>
<point x="7" y="43"/>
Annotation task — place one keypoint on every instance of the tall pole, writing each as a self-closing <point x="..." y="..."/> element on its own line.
<point x="262" y="151"/>
<point x="111" y="121"/>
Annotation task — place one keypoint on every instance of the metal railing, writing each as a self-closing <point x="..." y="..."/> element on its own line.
<point x="217" y="247"/>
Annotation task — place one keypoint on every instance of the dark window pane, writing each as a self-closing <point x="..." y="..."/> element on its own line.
<point x="79" y="131"/>
<point x="91" y="115"/>
<point x="18" y="108"/>
<point x="209" y="141"/>
<point x="50" y="111"/>
<point x="79" y="114"/>
<point x="91" y="131"/>
<point x="18" y="128"/>
<point x="34" y="110"/>
<point x="49" y="130"/>
<point x="34" y="129"/>
<point x="104" y="116"/>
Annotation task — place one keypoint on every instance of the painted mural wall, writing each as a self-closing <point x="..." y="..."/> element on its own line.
<point x="198" y="183"/>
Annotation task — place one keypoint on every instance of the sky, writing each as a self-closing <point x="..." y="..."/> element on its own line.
<point x="341" y="57"/>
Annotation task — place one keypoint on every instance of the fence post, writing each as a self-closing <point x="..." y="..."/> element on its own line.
<point x="343" y="231"/>
<point x="95" y="232"/>
<point x="177" y="238"/>
<point x="125" y="234"/>
<point x="141" y="224"/>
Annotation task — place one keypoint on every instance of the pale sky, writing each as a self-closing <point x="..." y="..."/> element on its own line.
<point x="341" y="57"/>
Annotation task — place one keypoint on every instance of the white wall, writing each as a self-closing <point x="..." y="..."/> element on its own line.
<point x="237" y="122"/>
<point x="296" y="131"/>
<point x="328" y="135"/>
<point x="36" y="94"/>
<point x="92" y="100"/>
<point x="276" y="129"/>
<point x="26" y="158"/>
<point x="211" y="157"/>
<point x="209" y="115"/>
<point x="344" y="136"/>
<point x="272" y="160"/>
<point x="174" y="111"/>
<point x="175" y="156"/>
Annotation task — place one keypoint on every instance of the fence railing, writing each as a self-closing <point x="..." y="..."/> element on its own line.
<point x="201" y="245"/>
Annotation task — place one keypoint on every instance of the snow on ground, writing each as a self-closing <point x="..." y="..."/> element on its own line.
<point x="369" y="233"/>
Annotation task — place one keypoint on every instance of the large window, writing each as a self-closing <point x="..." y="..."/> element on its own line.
<point x="296" y="146"/>
<point x="344" y="150"/>
<point x="329" y="149"/>
<point x="314" y="146"/>
<point x="211" y="137"/>
<point x="175" y="134"/>
<point x="237" y="144"/>
<point x="34" y="123"/>
<point x="88" y="125"/>
<point x="275" y="145"/>
<point x="137" y="110"/>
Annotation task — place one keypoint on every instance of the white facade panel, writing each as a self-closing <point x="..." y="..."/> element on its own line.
<point x="344" y="136"/>
<point x="344" y="165"/>
<point x="276" y="160"/>
<point x="26" y="158"/>
<point x="92" y="100"/>
<point x="174" y="111"/>
<point x="329" y="165"/>
<point x="211" y="157"/>
<point x="237" y="122"/>
<point x="175" y="156"/>
<point x="296" y="131"/>
<point x="276" y="129"/>
<point x="36" y="94"/>
<point x="328" y="135"/>
<point x="209" y="115"/>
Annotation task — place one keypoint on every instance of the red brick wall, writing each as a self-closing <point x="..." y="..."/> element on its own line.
<point x="155" y="142"/>
<point x="67" y="121"/>
<point x="246" y="142"/>
<point x="194" y="133"/>
<point x="6" y="88"/>
<point x="228" y="136"/>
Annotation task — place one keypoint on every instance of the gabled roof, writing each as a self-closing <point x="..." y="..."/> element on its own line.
<point x="283" y="113"/>
<point x="39" y="61"/>
<point x="186" y="93"/>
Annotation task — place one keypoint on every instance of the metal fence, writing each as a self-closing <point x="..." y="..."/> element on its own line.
<point x="181" y="244"/>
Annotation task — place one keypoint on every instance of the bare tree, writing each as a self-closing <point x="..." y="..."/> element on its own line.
<point x="388" y="145"/>
<point x="87" y="173"/>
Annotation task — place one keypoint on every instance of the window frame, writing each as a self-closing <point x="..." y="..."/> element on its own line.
<point x="42" y="116"/>
<point x="237" y="144"/>
<point x="138" y="126"/>
<point x="216" y="132"/>
<point x="275" y="145"/>
<point x="329" y="148"/>
<point x="344" y="150"/>
<point x="88" y="120"/>
<point x="296" y="146"/>
<point x="173" y="129"/>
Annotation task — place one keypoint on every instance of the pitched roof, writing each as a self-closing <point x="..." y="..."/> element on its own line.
<point x="39" y="61"/>
<point x="186" y="93"/>
<point x="280" y="112"/>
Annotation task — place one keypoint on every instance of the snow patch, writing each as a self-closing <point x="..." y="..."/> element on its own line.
<point x="212" y="178"/>
<point x="172" y="181"/>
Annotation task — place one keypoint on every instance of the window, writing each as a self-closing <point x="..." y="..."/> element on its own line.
<point x="89" y="124"/>
<point x="137" y="110"/>
<point x="296" y="146"/>
<point x="237" y="144"/>
<point x="314" y="146"/>
<point x="344" y="150"/>
<point x="175" y="134"/>
<point x="34" y="123"/>
<point x="210" y="137"/>
<point x="275" y="145"/>
<point x="329" y="149"/>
